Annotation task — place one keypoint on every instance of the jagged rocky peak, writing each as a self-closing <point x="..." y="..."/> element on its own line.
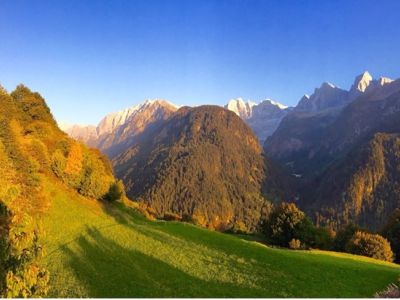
<point x="384" y="80"/>
<point x="362" y="82"/>
<point x="116" y="119"/>
<point x="240" y="107"/>
<point x="325" y="97"/>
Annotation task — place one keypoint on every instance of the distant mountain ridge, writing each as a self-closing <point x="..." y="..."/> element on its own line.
<point x="314" y="143"/>
<point x="263" y="118"/>
<point x="344" y="151"/>
<point x="307" y="121"/>
<point x="120" y="128"/>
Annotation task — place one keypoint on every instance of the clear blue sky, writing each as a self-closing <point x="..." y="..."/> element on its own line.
<point x="88" y="58"/>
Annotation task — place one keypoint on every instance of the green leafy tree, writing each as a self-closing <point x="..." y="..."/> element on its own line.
<point x="286" y="223"/>
<point x="371" y="245"/>
<point x="344" y="235"/>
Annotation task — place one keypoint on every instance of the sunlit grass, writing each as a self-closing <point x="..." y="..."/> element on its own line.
<point x="100" y="250"/>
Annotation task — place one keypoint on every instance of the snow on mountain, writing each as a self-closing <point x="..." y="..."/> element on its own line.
<point x="263" y="117"/>
<point x="328" y="96"/>
<point x="240" y="107"/>
<point x="361" y="82"/>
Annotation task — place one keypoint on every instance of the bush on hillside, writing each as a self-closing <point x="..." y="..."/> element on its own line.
<point x="371" y="245"/>
<point x="170" y="216"/>
<point x="344" y="235"/>
<point x="321" y="238"/>
<point x="295" y="244"/>
<point x="391" y="231"/>
<point x="239" y="227"/>
<point x="286" y="223"/>
<point x="116" y="191"/>
<point x="83" y="169"/>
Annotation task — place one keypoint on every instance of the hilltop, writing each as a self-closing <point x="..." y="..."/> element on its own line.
<point x="204" y="163"/>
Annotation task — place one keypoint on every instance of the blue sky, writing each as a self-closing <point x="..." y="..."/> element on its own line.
<point x="88" y="58"/>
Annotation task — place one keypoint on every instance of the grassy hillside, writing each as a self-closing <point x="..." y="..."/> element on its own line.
<point x="98" y="250"/>
<point x="32" y="149"/>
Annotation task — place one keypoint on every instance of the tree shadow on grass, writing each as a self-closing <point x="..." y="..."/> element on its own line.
<point x="109" y="270"/>
<point x="342" y="277"/>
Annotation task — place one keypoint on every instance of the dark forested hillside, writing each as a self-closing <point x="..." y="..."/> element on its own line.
<point x="347" y="160"/>
<point x="205" y="163"/>
<point x="363" y="187"/>
<point x="33" y="151"/>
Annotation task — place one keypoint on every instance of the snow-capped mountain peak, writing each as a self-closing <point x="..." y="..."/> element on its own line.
<point x="113" y="120"/>
<point x="240" y="107"/>
<point x="361" y="82"/>
<point x="384" y="80"/>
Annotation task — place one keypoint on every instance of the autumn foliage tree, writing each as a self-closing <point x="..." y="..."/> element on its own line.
<point x="83" y="169"/>
<point x="33" y="150"/>
<point x="20" y="273"/>
<point x="371" y="245"/>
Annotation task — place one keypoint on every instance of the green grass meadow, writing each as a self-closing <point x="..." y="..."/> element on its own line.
<point x="99" y="250"/>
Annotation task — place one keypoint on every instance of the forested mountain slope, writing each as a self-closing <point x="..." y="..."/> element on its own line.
<point x="204" y="163"/>
<point x="346" y="158"/>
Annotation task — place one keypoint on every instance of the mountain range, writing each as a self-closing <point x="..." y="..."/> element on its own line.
<point x="263" y="118"/>
<point x="342" y="147"/>
<point x="305" y="146"/>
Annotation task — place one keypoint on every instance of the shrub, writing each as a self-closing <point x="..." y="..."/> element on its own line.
<point x="239" y="227"/>
<point x="295" y="244"/>
<point x="285" y="223"/>
<point x="58" y="163"/>
<point x="371" y="245"/>
<point x="116" y="191"/>
<point x="391" y="231"/>
<point x="187" y="218"/>
<point x="321" y="238"/>
<point x="344" y="235"/>
<point x="170" y="216"/>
